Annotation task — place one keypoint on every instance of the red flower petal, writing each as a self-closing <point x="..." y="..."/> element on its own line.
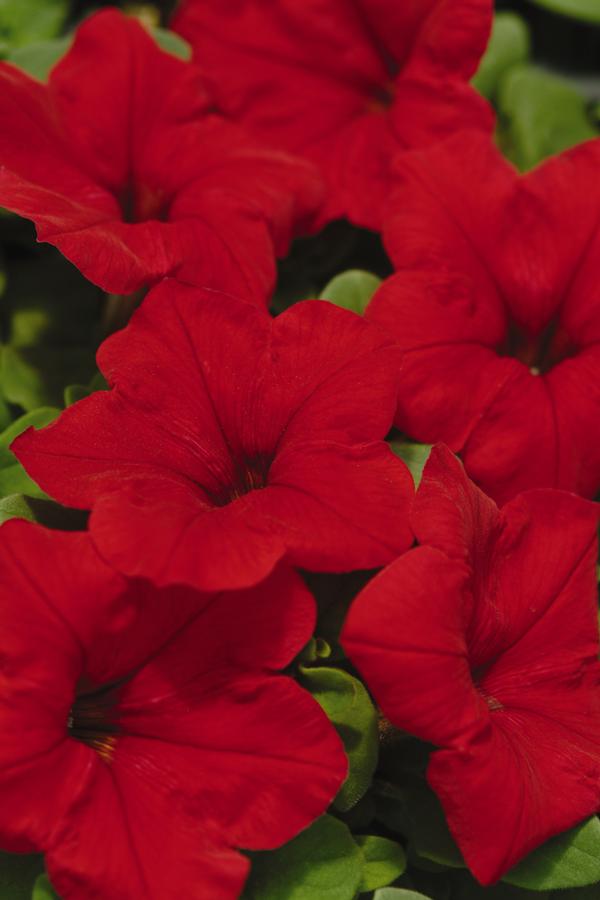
<point x="405" y="633"/>
<point x="133" y="730"/>
<point x="491" y="653"/>
<point x="452" y="514"/>
<point x="493" y="345"/>
<point x="344" y="83"/>
<point x="128" y="173"/>
<point x="258" y="756"/>
<point x="539" y="775"/>
<point x="125" y="840"/>
<point x="316" y="492"/>
<point x="215" y="410"/>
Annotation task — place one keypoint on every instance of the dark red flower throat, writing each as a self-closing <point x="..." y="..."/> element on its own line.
<point x="140" y="203"/>
<point x="93" y="719"/>
<point x="249" y="474"/>
<point x="541" y="351"/>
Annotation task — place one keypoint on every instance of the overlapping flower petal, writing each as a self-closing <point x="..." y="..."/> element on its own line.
<point x="230" y="440"/>
<point x="493" y="304"/>
<point x="128" y="171"/>
<point x="345" y="83"/>
<point x="484" y="642"/>
<point x="145" y="733"/>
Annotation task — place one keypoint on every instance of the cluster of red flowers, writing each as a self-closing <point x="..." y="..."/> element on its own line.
<point x="147" y="730"/>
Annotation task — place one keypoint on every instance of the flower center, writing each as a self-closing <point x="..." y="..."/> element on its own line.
<point x="382" y="97"/>
<point x="91" y="720"/>
<point x="140" y="203"/>
<point x="251" y="474"/>
<point x="539" y="352"/>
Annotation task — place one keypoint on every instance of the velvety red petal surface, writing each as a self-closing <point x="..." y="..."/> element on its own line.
<point x="405" y="633"/>
<point x="202" y="463"/>
<point x="539" y="775"/>
<point x="63" y="610"/>
<point x="134" y="184"/>
<point x="140" y="789"/>
<point x="492" y="305"/>
<point x="452" y="514"/>
<point x="125" y="840"/>
<point x="485" y="643"/>
<point x="322" y="80"/>
<point x="316" y="490"/>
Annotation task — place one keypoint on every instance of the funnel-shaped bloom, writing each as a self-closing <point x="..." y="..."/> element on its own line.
<point x="122" y="164"/>
<point x="347" y="83"/>
<point x="144" y="733"/>
<point x="230" y="440"/>
<point x="484" y="642"/>
<point x="496" y="307"/>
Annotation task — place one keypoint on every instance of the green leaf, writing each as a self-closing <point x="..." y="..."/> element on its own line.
<point x="43" y="890"/>
<point x="385" y="861"/>
<point x="466" y="888"/>
<point x="414" y="811"/>
<point x="569" y="860"/>
<point x="36" y="376"/>
<point x="13" y="477"/>
<point x="16" y="506"/>
<point x="351" y="290"/>
<point x="18" y="873"/>
<point x="46" y="512"/>
<point x="398" y="894"/>
<point x="414" y="455"/>
<point x="322" y="862"/>
<point x="509" y="44"/>
<point x="540" y="115"/>
<point x="588" y="10"/>
<point x="172" y="43"/>
<point x="349" y="707"/>
<point x="37" y="418"/>
<point x="52" y="316"/>
<point x="38" y="59"/>
<point x="76" y="392"/>
<point x="24" y="21"/>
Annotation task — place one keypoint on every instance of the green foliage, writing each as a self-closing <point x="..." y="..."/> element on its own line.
<point x="569" y="860"/>
<point x="398" y="894"/>
<point x="540" y="115"/>
<point x="13" y="477"/>
<point x="509" y="45"/>
<point x="50" y="314"/>
<point x="351" y="290"/>
<point x="16" y="506"/>
<point x="586" y="10"/>
<point x="46" y="512"/>
<point x="322" y="862"/>
<point x="466" y="888"/>
<point x="39" y="58"/>
<point x="25" y="21"/>
<point x="349" y="707"/>
<point x="172" y="43"/>
<point x="75" y="392"/>
<point x="43" y="890"/>
<point x="414" y="455"/>
<point x="414" y="811"/>
<point x="18" y="873"/>
<point x="384" y="861"/>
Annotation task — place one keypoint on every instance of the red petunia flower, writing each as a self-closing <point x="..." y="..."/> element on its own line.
<point x="127" y="170"/>
<point x="230" y="440"/>
<point x="496" y="307"/>
<point x="345" y="82"/>
<point x="484" y="643"/>
<point x="144" y="733"/>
